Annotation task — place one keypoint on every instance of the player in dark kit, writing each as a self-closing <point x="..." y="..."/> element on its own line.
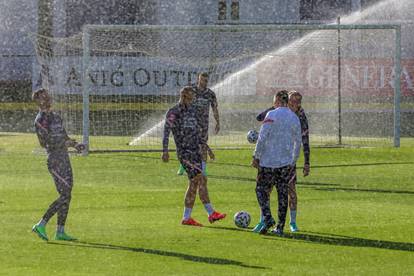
<point x="183" y="121"/>
<point x="204" y="98"/>
<point x="53" y="137"/>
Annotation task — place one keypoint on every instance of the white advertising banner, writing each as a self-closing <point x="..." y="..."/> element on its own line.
<point x="125" y="75"/>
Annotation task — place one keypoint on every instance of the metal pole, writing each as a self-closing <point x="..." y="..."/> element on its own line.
<point x="339" y="84"/>
<point x="397" y="87"/>
<point x="85" y="87"/>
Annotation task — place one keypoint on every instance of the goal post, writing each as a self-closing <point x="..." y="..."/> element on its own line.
<point x="116" y="82"/>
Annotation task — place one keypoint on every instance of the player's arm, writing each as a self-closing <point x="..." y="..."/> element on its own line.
<point x="71" y="143"/>
<point x="214" y="107"/>
<point x="168" y="122"/>
<point x="297" y="136"/>
<point x="261" y="116"/>
<point x="42" y="132"/>
<point x="210" y="153"/>
<point x="305" y="142"/>
<point x="263" y="134"/>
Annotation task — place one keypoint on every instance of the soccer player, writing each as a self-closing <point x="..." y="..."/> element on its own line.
<point x="52" y="136"/>
<point x="204" y="98"/>
<point x="184" y="123"/>
<point x="275" y="155"/>
<point x="295" y="104"/>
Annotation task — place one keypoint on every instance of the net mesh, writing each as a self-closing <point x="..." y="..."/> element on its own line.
<point x="134" y="74"/>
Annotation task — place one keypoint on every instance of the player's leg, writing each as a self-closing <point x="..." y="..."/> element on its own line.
<point x="293" y="200"/>
<point x="40" y="228"/>
<point x="282" y="180"/>
<point x="205" y="199"/>
<point x="193" y="171"/>
<point x="263" y="183"/>
<point x="259" y="225"/>
<point x="66" y="196"/>
<point x="189" y="200"/>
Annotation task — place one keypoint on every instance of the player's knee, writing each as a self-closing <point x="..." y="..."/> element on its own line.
<point x="198" y="178"/>
<point x="66" y="196"/>
<point x="261" y="190"/>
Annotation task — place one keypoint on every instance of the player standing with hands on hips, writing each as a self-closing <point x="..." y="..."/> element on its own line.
<point x="53" y="137"/>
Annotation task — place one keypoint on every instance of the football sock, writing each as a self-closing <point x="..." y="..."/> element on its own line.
<point x="292" y="216"/>
<point x="261" y="217"/>
<point x="42" y="222"/>
<point x="209" y="208"/>
<point x="60" y="229"/>
<point x="187" y="213"/>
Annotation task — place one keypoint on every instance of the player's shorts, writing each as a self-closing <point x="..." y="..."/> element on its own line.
<point x="267" y="177"/>
<point x="59" y="166"/>
<point x="192" y="163"/>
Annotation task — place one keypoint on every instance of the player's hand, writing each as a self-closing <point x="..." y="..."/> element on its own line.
<point x="255" y="163"/>
<point x="217" y="129"/>
<point x="80" y="147"/>
<point x="211" y="155"/>
<point x="70" y="143"/>
<point x="165" y="156"/>
<point x="306" y="169"/>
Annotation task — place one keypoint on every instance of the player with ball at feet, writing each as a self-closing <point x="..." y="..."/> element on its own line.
<point x="183" y="121"/>
<point x="53" y="137"/>
<point x="275" y="156"/>
<point x="295" y="104"/>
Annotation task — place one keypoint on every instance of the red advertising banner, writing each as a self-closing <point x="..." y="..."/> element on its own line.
<point x="319" y="77"/>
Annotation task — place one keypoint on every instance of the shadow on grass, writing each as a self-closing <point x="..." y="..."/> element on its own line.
<point x="332" y="239"/>
<point x="323" y="238"/>
<point x="251" y="179"/>
<point x="317" y="186"/>
<point x="335" y="189"/>
<point x="129" y="156"/>
<point x="363" y="165"/>
<point x="325" y="166"/>
<point x="186" y="257"/>
<point x="312" y="185"/>
<point x="235" y="229"/>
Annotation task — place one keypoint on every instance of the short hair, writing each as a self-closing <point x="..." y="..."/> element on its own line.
<point x="294" y="93"/>
<point x="36" y="93"/>
<point x="283" y="96"/>
<point x="185" y="89"/>
<point x="204" y="75"/>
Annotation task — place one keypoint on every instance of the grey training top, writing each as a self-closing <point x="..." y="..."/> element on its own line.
<point x="50" y="131"/>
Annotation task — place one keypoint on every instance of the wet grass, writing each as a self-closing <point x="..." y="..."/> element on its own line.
<point x="355" y="215"/>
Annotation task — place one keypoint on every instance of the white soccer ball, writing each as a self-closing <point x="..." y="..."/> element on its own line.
<point x="252" y="136"/>
<point x="242" y="219"/>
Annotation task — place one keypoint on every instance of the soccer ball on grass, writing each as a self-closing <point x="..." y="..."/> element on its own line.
<point x="242" y="219"/>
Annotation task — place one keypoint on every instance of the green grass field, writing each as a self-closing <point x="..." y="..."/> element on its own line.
<point x="356" y="216"/>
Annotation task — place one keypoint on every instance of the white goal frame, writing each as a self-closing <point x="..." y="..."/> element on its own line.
<point x="87" y="29"/>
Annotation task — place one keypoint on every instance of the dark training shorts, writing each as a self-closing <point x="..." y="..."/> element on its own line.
<point x="192" y="163"/>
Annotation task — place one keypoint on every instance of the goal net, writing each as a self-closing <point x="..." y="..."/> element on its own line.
<point x="113" y="84"/>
